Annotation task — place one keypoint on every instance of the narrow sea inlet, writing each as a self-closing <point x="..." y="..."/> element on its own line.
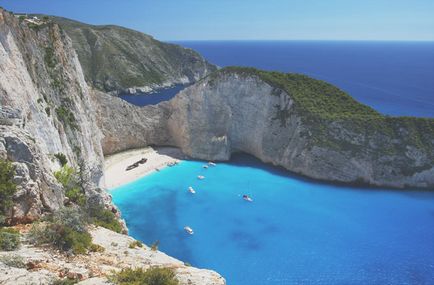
<point x="294" y="232"/>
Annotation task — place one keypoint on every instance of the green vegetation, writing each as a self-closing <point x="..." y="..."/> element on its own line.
<point x="9" y="239"/>
<point x="96" y="248"/>
<point x="65" y="281"/>
<point x="66" y="230"/>
<point x="66" y="117"/>
<point x="68" y="177"/>
<point x="151" y="276"/>
<point x="7" y="187"/>
<point x="104" y="218"/>
<point x="13" y="261"/>
<point x="135" y="244"/>
<point x="61" y="158"/>
<point x="132" y="56"/>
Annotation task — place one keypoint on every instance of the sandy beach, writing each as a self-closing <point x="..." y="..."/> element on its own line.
<point x="115" y="165"/>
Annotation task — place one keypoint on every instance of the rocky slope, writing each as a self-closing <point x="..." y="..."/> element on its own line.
<point x="304" y="125"/>
<point x="115" y="58"/>
<point x="39" y="265"/>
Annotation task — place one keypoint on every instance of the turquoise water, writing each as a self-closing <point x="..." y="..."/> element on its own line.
<point x="295" y="231"/>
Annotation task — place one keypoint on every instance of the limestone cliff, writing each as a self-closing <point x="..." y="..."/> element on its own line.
<point x="118" y="59"/>
<point x="304" y="125"/>
<point x="45" y="110"/>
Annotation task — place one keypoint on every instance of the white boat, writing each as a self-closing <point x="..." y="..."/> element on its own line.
<point x="188" y="230"/>
<point x="247" y="198"/>
<point x="212" y="163"/>
<point x="200" y="177"/>
<point x="205" y="166"/>
<point x="191" y="190"/>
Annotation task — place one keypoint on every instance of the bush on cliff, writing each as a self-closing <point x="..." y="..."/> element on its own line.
<point x="9" y="239"/>
<point x="151" y="276"/>
<point x="104" y="218"/>
<point x="7" y="186"/>
<point x="68" y="177"/>
<point x="66" y="230"/>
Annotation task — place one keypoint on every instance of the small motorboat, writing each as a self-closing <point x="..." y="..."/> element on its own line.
<point x="200" y="177"/>
<point x="191" y="190"/>
<point x="205" y="166"/>
<point x="247" y="198"/>
<point x="188" y="230"/>
<point x="212" y="163"/>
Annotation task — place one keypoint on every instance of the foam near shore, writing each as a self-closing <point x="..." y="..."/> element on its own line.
<point x="157" y="158"/>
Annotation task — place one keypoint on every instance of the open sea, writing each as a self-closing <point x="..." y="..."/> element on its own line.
<point x="297" y="231"/>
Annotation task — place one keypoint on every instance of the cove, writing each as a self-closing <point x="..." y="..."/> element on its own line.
<point x="153" y="98"/>
<point x="295" y="231"/>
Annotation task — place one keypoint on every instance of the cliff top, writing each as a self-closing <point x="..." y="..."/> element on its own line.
<point x="321" y="105"/>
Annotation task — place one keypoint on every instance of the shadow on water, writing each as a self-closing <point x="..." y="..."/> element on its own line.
<point x="246" y="160"/>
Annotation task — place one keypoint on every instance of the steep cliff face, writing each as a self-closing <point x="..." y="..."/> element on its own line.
<point x="45" y="110"/>
<point x="118" y="59"/>
<point x="126" y="126"/>
<point x="304" y="125"/>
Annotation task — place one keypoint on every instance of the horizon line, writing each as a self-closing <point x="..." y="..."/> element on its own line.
<point x="298" y="40"/>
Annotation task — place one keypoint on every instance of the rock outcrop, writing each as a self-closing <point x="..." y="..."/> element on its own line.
<point x="116" y="59"/>
<point x="304" y="125"/>
<point x="41" y="265"/>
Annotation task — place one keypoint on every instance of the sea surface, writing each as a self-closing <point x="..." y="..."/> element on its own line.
<point x="143" y="99"/>
<point x="295" y="231"/>
<point x="395" y="78"/>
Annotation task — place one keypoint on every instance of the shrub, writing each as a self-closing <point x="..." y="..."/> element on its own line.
<point x="48" y="111"/>
<point x="7" y="185"/>
<point x="64" y="282"/>
<point x="13" y="261"/>
<point x="66" y="231"/>
<point x="155" y="245"/>
<point x="135" y="244"/>
<point x="9" y="239"/>
<point x="96" y="248"/>
<point x="68" y="177"/>
<point x="104" y="218"/>
<point x="66" y="117"/>
<point x="151" y="276"/>
<point x="61" y="158"/>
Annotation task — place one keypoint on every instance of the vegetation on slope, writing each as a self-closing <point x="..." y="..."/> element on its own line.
<point x="115" y="58"/>
<point x="7" y="187"/>
<point x="151" y="276"/>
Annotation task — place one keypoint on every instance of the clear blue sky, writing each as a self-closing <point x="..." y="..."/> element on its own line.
<point x="251" y="19"/>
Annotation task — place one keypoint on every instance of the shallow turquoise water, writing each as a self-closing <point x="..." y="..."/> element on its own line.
<point x="294" y="232"/>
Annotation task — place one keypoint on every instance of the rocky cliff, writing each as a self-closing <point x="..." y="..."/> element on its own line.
<point x="118" y="59"/>
<point x="45" y="110"/>
<point x="304" y="125"/>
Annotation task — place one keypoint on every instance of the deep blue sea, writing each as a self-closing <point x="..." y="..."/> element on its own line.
<point x="395" y="78"/>
<point x="295" y="231"/>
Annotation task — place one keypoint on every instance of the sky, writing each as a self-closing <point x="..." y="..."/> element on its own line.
<point x="250" y="19"/>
